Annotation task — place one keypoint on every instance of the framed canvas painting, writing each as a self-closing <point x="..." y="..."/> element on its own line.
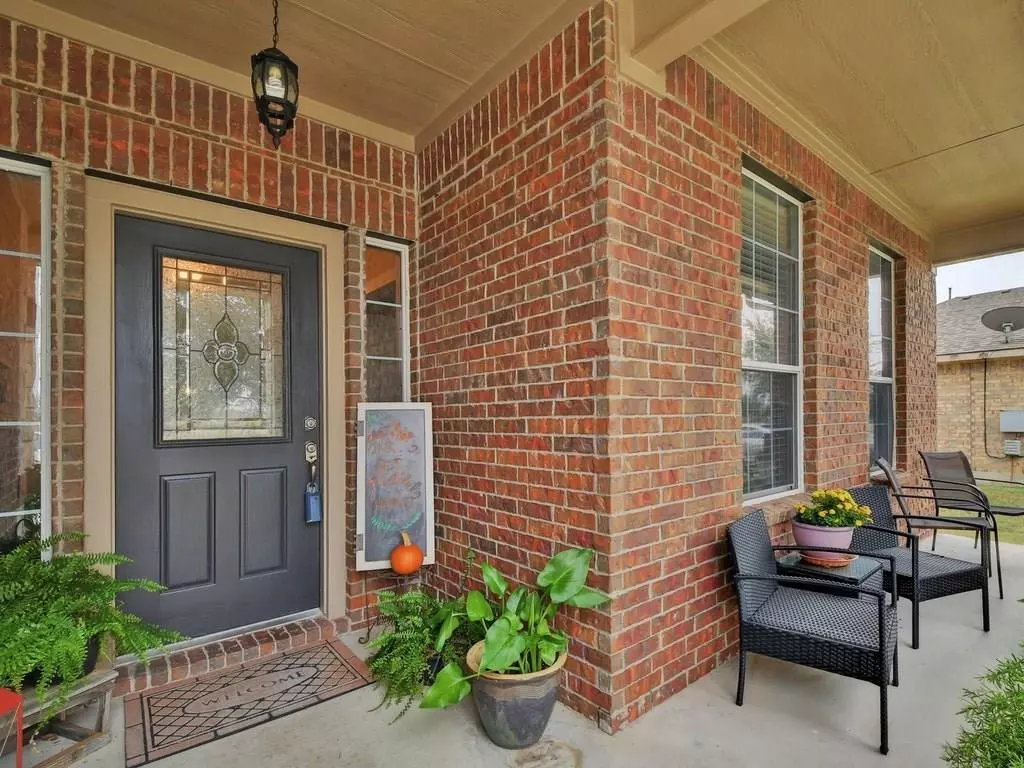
<point x="394" y="481"/>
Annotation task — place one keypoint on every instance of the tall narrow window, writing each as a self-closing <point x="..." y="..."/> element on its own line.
<point x="24" y="354"/>
<point x="386" y="318"/>
<point x="881" y="435"/>
<point x="770" y="271"/>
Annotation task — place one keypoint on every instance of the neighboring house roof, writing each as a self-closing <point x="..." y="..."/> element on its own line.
<point x="959" y="329"/>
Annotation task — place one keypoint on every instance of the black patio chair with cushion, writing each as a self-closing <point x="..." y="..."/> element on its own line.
<point x="849" y="630"/>
<point x="920" y="576"/>
<point x="951" y="475"/>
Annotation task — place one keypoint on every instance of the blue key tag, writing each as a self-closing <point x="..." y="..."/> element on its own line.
<point x="312" y="502"/>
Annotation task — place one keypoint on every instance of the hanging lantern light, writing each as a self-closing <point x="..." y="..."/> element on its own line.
<point x="275" y="87"/>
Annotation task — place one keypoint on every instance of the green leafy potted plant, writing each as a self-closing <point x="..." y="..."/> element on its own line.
<point x="828" y="521"/>
<point x="515" y="670"/>
<point x="54" y="612"/>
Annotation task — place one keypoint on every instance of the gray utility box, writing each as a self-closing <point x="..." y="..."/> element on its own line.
<point x="1011" y="421"/>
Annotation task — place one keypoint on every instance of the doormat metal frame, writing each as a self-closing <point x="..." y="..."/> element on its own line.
<point x="172" y="718"/>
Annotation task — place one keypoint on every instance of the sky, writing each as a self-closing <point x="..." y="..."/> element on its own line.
<point x="992" y="274"/>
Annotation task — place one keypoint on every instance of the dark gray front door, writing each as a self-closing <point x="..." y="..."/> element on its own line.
<point x="217" y="392"/>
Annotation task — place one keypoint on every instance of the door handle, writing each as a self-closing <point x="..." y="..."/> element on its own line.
<point x="312" y="502"/>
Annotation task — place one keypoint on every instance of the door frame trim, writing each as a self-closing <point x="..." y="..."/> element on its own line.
<point x="105" y="199"/>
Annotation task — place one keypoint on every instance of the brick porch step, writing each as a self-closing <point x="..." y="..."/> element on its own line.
<point x="135" y="676"/>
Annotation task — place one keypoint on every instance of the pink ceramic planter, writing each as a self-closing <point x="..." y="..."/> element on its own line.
<point x="823" y="536"/>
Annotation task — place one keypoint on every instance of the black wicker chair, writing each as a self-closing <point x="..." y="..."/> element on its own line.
<point x="950" y="475"/>
<point x="847" y="630"/>
<point x="920" y="576"/>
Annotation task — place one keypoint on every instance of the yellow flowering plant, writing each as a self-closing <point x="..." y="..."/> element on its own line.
<point x="834" y="508"/>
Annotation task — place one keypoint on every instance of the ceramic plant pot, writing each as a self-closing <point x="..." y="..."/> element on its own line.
<point x="514" y="709"/>
<point x="822" y="536"/>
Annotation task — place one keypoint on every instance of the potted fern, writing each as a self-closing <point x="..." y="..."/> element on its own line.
<point x="55" y="610"/>
<point x="404" y="658"/>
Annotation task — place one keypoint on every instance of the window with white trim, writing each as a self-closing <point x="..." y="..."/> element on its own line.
<point x="386" y="321"/>
<point x="881" y="353"/>
<point x="771" y="379"/>
<point x="24" y="353"/>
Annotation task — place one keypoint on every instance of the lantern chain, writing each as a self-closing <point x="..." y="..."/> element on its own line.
<point x="275" y="23"/>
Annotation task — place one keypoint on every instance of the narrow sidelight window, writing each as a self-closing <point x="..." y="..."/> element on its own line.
<point x="24" y="353"/>
<point x="882" y="422"/>
<point x="386" y="318"/>
<point x="772" y="399"/>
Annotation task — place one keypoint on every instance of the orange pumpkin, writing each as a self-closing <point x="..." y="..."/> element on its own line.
<point x="406" y="558"/>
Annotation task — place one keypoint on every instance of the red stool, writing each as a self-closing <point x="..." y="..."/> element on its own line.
<point x="12" y="705"/>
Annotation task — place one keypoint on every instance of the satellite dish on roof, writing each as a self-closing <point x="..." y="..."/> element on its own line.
<point x="1004" y="319"/>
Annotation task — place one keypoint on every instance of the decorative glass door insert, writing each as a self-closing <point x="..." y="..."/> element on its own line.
<point x="222" y="351"/>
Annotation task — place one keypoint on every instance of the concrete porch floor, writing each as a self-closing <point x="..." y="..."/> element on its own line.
<point x="792" y="716"/>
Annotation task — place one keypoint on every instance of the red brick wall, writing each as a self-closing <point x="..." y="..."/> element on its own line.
<point x="658" y="356"/>
<point x="676" y="458"/>
<point x="510" y="333"/>
<point x="85" y="108"/>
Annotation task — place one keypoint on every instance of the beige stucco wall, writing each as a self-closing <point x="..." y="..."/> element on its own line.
<point x="962" y="418"/>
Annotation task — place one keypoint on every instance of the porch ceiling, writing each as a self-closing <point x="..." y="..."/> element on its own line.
<point x="924" y="93"/>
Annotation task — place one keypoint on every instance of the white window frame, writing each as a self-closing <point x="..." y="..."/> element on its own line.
<point x="798" y="369"/>
<point x="403" y="308"/>
<point x="42" y="334"/>
<point x="890" y="380"/>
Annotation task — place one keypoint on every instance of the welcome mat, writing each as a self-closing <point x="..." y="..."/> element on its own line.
<point x="172" y="718"/>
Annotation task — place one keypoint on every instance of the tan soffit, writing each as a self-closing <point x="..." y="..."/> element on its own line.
<point x="979" y="181"/>
<point x="763" y="95"/>
<point x="990" y="239"/>
<point x="923" y="94"/>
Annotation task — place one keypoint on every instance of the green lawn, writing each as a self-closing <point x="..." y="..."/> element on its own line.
<point x="1011" y="529"/>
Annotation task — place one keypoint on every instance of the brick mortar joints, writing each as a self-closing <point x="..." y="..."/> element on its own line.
<point x="213" y="139"/>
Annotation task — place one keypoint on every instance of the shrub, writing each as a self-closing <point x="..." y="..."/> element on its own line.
<point x="993" y="736"/>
